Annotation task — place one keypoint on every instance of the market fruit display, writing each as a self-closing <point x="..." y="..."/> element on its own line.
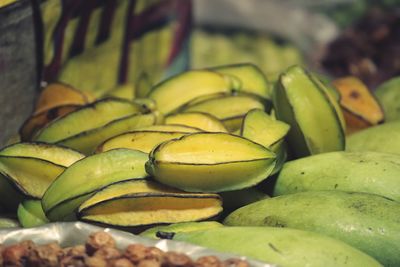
<point x="204" y="143"/>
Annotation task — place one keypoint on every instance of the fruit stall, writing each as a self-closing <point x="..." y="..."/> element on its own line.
<point x="200" y="133"/>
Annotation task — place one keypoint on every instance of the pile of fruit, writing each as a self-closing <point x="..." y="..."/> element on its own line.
<point x="205" y="143"/>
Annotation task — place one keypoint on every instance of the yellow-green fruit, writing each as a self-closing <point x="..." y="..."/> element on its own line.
<point x="139" y="202"/>
<point x="180" y="89"/>
<point x="369" y="172"/>
<point x="265" y="130"/>
<point x="388" y="95"/>
<point x="30" y="213"/>
<point x="368" y="222"/>
<point x="89" y="117"/>
<point x="226" y="107"/>
<point x="251" y="78"/>
<point x="30" y="176"/>
<point x="303" y="102"/>
<point x="229" y="109"/>
<point x="84" y="177"/>
<point x="381" y="138"/>
<point x="56" y="154"/>
<point x="86" y="142"/>
<point x="210" y="162"/>
<point x="281" y="246"/>
<point x="29" y="168"/>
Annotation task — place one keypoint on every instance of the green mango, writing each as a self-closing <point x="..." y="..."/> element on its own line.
<point x="381" y="138"/>
<point x="281" y="246"/>
<point x="388" y="95"/>
<point x="369" y="172"/>
<point x="180" y="228"/>
<point x="370" y="223"/>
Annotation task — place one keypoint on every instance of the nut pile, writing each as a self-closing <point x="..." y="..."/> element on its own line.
<point x="100" y="251"/>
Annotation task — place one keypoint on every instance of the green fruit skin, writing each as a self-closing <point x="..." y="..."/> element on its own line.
<point x="303" y="102"/>
<point x="388" y="95"/>
<point x="251" y="78"/>
<point x="368" y="222"/>
<point x="369" y="172"/>
<point x="381" y="138"/>
<point x="30" y="213"/>
<point x="280" y="246"/>
<point x="180" y="228"/>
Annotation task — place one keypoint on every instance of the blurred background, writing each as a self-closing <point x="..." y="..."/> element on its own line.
<point x="96" y="45"/>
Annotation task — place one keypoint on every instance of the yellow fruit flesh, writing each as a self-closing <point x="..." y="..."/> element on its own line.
<point x="150" y="210"/>
<point x="33" y="176"/>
